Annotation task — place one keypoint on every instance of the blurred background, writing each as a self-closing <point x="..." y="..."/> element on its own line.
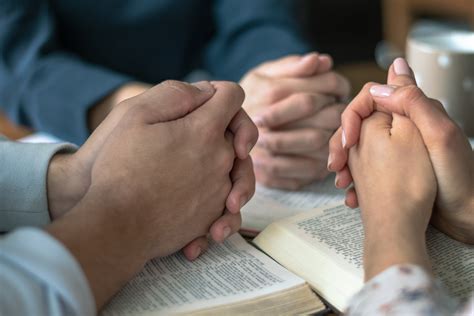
<point x="363" y="36"/>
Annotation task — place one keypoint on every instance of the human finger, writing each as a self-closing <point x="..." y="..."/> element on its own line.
<point x="296" y="107"/>
<point x="219" y="111"/>
<point x="337" y="153"/>
<point x="195" y="248"/>
<point x="170" y="100"/>
<point x="225" y="226"/>
<point x="245" y="134"/>
<point x="400" y="74"/>
<point x="291" y="66"/>
<point x="272" y="181"/>
<point x="330" y="83"/>
<point x="328" y="118"/>
<point x="351" y="198"/>
<point x="343" y="178"/>
<point x="297" y="141"/>
<point x="286" y="166"/>
<point x="243" y="185"/>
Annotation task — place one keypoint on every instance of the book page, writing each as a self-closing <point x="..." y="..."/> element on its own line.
<point x="453" y="263"/>
<point x="337" y="231"/>
<point x="269" y="205"/>
<point x="227" y="273"/>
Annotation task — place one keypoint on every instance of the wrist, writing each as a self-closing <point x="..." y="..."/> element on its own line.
<point x="66" y="184"/>
<point x="107" y="256"/>
<point x="394" y="246"/>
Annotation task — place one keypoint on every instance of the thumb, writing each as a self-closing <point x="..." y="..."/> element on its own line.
<point x="400" y="73"/>
<point x="296" y="66"/>
<point x="170" y="100"/>
<point x="427" y="114"/>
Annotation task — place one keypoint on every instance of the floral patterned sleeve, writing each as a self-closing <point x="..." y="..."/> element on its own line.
<point x="405" y="290"/>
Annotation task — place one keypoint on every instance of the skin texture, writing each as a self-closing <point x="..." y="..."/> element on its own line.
<point x="149" y="199"/>
<point x="69" y="176"/>
<point x="296" y="101"/>
<point x="450" y="152"/>
<point x="396" y="186"/>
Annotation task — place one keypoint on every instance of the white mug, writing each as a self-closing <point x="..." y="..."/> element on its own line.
<point x="444" y="69"/>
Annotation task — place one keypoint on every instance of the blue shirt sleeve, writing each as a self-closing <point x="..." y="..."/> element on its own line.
<point x="250" y="32"/>
<point x="38" y="276"/>
<point x="32" y="64"/>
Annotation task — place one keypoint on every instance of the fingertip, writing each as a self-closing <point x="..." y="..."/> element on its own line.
<point x="338" y="155"/>
<point x="233" y="202"/>
<point x="205" y="87"/>
<point x="351" y="198"/>
<point x="343" y="178"/>
<point x="195" y="248"/>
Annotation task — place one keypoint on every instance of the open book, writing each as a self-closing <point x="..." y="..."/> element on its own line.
<point x="230" y="278"/>
<point x="270" y="205"/>
<point x="324" y="247"/>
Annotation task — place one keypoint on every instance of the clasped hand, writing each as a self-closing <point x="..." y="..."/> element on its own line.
<point x="406" y="158"/>
<point x="168" y="166"/>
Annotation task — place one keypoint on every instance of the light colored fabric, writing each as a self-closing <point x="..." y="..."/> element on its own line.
<point x="38" y="276"/>
<point x="23" y="175"/>
<point x="405" y="290"/>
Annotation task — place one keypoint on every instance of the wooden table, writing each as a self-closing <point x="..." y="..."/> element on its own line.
<point x="399" y="15"/>
<point x="11" y="130"/>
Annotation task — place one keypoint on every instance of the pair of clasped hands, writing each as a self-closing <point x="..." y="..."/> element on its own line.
<point x="410" y="164"/>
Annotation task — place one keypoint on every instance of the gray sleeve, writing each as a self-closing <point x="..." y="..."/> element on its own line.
<point x="42" y="277"/>
<point x="23" y="172"/>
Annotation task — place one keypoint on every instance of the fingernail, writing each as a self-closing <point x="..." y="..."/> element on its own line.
<point x="205" y="86"/>
<point x="330" y="159"/>
<point x="381" y="91"/>
<point x="227" y="232"/>
<point x="401" y="67"/>
<point x="243" y="200"/>
<point x="259" y="121"/>
<point x="197" y="252"/>
<point x="307" y="57"/>
<point x="249" y="147"/>
<point x="344" y="141"/>
<point x="336" y="182"/>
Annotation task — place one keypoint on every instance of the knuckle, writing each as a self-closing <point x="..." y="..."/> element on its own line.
<point x="447" y="131"/>
<point x="184" y="89"/>
<point x="333" y="80"/>
<point x="272" y="93"/>
<point x="411" y="93"/>
<point x="315" y="138"/>
<point x="234" y="90"/>
<point x="305" y="102"/>
<point x="275" y="144"/>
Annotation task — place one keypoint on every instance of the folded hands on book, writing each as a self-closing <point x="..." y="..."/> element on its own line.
<point x="406" y="159"/>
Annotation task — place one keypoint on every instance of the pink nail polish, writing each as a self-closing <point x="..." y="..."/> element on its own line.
<point x="344" y="141"/>
<point x="401" y="67"/>
<point x="381" y="91"/>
